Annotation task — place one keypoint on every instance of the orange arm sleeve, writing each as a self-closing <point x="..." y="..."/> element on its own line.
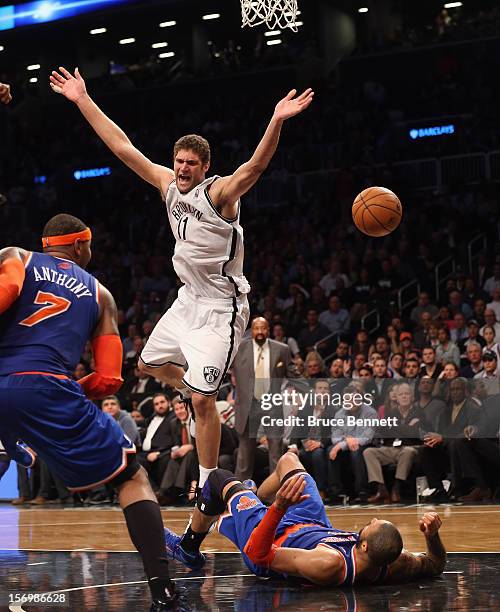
<point x="260" y="547"/>
<point x="12" y="274"/>
<point x="107" y="378"/>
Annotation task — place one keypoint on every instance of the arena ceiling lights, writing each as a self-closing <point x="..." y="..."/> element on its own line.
<point x="98" y="31"/>
<point x="449" y="5"/>
<point x="274" y="41"/>
<point x="363" y="9"/>
<point x="166" y="54"/>
<point x="159" y="45"/>
<point x="33" y="67"/>
<point x="126" y="41"/>
<point x="2" y="48"/>
<point x="167" y="24"/>
<point x="211" y="16"/>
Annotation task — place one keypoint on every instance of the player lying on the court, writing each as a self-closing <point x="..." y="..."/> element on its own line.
<point x="294" y="537"/>
<point x="49" y="307"/>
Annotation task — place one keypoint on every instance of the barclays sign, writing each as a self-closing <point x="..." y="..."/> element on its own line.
<point x="440" y="130"/>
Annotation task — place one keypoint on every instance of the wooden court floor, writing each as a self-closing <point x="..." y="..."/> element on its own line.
<point x="465" y="528"/>
<point x="84" y="556"/>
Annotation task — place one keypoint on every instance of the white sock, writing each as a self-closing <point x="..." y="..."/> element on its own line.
<point x="204" y="474"/>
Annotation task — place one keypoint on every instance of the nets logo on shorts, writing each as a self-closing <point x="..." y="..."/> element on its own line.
<point x="211" y="374"/>
<point x="245" y="503"/>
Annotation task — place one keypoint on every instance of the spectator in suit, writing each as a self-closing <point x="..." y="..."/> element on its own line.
<point x="137" y="388"/>
<point x="348" y="445"/>
<point x="437" y="456"/>
<point x="479" y="450"/>
<point x="259" y="367"/>
<point x="311" y="442"/>
<point x="157" y="440"/>
<point x="428" y="405"/>
<point x="400" y="448"/>
<point x="181" y="472"/>
<point x="111" y="405"/>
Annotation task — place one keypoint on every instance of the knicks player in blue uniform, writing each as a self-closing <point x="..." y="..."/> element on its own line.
<point x="294" y="538"/>
<point x="49" y="307"/>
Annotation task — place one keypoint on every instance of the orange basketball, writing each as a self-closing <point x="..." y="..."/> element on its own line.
<point x="377" y="211"/>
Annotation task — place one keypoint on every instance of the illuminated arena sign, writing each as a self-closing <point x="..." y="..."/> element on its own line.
<point x="30" y="13"/>
<point x="440" y="130"/>
<point x="91" y="173"/>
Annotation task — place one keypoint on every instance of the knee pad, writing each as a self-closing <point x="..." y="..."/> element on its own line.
<point x="292" y="473"/>
<point x="218" y="479"/>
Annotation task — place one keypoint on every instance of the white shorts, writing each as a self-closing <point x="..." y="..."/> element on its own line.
<point x="201" y="333"/>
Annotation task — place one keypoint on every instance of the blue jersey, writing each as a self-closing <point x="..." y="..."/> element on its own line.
<point x="46" y="328"/>
<point x="305" y="525"/>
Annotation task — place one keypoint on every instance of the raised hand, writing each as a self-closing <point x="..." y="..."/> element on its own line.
<point x="291" y="106"/>
<point x="71" y="87"/>
<point x="291" y="493"/>
<point x="5" y="96"/>
<point x="430" y="523"/>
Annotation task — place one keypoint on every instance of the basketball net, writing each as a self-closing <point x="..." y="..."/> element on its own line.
<point x="274" y="13"/>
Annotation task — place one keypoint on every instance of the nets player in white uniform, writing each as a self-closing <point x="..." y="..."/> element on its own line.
<point x="193" y="344"/>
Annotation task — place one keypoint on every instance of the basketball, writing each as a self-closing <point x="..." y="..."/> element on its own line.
<point x="377" y="211"/>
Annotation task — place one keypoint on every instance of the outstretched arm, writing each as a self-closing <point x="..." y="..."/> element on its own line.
<point x="431" y="563"/>
<point x="73" y="88"/>
<point x="226" y="191"/>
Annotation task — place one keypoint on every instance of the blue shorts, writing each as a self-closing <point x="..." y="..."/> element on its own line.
<point x="246" y="512"/>
<point x="82" y="445"/>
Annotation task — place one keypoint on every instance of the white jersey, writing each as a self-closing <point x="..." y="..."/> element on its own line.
<point x="208" y="255"/>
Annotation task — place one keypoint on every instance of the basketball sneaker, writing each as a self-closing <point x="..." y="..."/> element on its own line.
<point x="175" y="551"/>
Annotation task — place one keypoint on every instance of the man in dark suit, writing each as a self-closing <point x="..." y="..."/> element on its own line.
<point x="259" y="367"/>
<point x="438" y="454"/>
<point x="478" y="452"/>
<point x="157" y="440"/>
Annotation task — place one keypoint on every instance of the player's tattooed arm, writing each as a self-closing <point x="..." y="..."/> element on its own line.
<point x="410" y="566"/>
<point x="74" y="89"/>
<point x="226" y="191"/>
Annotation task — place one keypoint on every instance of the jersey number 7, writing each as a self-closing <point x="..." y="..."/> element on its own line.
<point x="53" y="305"/>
